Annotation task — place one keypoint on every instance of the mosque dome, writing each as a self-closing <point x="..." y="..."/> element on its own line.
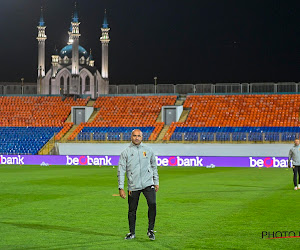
<point x="67" y="51"/>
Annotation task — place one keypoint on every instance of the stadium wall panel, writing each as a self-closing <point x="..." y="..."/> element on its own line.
<point x="162" y="161"/>
<point x="254" y="150"/>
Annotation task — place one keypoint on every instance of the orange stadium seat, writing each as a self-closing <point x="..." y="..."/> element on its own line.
<point x="128" y="111"/>
<point x="36" y="111"/>
<point x="259" y="110"/>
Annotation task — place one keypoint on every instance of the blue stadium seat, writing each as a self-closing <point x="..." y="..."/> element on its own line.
<point x="25" y="140"/>
<point x="207" y="136"/>
<point x="237" y="133"/>
<point x="112" y="133"/>
<point x="223" y="136"/>
<point x="288" y="136"/>
<point x="272" y="136"/>
<point x="239" y="136"/>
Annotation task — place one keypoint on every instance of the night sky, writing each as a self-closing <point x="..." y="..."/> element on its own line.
<point x="191" y="41"/>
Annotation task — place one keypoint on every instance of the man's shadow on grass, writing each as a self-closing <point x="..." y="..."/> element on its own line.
<point x="59" y="228"/>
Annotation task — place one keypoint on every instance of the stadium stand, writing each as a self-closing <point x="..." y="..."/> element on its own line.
<point x="28" y="122"/>
<point x="118" y="115"/>
<point x="238" y="118"/>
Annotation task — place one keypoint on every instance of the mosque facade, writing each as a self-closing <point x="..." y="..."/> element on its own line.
<point x="73" y="70"/>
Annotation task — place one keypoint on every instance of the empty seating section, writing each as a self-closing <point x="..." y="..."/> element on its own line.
<point x="238" y="118"/>
<point x="25" y="140"/>
<point x="36" y="111"/>
<point x="243" y="110"/>
<point x="125" y="113"/>
<point x="28" y="122"/>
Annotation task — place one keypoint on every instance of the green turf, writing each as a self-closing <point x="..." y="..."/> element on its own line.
<point x="67" y="207"/>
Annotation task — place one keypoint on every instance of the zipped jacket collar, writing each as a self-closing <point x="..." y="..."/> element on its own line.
<point x="137" y="146"/>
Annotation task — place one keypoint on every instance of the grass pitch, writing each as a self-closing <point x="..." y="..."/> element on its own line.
<point x="64" y="207"/>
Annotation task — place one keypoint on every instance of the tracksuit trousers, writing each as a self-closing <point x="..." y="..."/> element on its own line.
<point x="133" y="201"/>
<point x="296" y="170"/>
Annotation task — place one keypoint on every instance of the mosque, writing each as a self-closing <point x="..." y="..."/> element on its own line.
<point x="73" y="71"/>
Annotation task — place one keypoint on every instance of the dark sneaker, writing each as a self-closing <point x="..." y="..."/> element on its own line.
<point x="151" y="235"/>
<point x="130" y="236"/>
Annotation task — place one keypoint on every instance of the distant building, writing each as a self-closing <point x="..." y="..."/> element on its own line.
<point x="73" y="71"/>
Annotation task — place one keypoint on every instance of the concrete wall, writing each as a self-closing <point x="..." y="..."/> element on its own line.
<point x="277" y="150"/>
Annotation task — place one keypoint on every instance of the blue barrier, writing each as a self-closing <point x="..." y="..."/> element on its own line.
<point x="112" y="133"/>
<point x="235" y="134"/>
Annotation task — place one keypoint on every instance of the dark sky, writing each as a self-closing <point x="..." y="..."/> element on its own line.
<point x="189" y="41"/>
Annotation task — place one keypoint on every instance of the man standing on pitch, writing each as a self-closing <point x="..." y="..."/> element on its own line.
<point x="139" y="163"/>
<point x="294" y="155"/>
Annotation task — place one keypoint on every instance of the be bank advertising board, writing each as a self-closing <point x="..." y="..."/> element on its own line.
<point x="163" y="161"/>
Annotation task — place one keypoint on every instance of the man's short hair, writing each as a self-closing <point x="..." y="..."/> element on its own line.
<point x="137" y="130"/>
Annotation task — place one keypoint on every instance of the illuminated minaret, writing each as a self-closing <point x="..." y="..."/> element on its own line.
<point x="70" y="41"/>
<point x="55" y="62"/>
<point x="105" y="41"/>
<point x="74" y="86"/>
<point x="75" y="37"/>
<point x="41" y="46"/>
<point x="91" y="59"/>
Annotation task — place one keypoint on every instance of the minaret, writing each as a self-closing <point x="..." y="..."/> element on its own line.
<point x="74" y="86"/>
<point x="41" y="46"/>
<point x="91" y="61"/>
<point x="55" y="61"/>
<point x="105" y="41"/>
<point x="75" y="37"/>
<point x="70" y="35"/>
